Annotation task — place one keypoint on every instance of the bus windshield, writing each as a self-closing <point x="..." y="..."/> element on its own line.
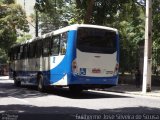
<point x="94" y="40"/>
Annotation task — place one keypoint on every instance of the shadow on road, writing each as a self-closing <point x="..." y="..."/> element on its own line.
<point x="8" y="89"/>
<point x="29" y="112"/>
<point x="64" y="92"/>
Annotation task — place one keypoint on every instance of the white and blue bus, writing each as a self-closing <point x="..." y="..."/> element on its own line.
<point x="79" y="56"/>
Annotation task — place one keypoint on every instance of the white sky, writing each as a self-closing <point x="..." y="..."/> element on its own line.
<point x="29" y="8"/>
<point x="29" y="5"/>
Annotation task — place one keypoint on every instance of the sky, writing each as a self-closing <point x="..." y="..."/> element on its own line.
<point x="28" y="5"/>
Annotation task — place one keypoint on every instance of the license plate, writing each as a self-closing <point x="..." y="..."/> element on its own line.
<point x="96" y="71"/>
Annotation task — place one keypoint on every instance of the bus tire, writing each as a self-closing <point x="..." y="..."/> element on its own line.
<point x="17" y="82"/>
<point x="40" y="83"/>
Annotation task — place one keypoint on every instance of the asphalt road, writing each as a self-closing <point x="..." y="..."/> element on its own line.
<point x="23" y="103"/>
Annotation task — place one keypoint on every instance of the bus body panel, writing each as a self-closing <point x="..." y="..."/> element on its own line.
<point x="96" y="65"/>
<point x="83" y="80"/>
<point x="61" y="64"/>
<point x="58" y="71"/>
<point x="91" y="71"/>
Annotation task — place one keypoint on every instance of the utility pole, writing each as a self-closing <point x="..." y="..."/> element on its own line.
<point x="147" y="66"/>
<point x="24" y="4"/>
<point x="36" y="28"/>
<point x="36" y="21"/>
<point x="25" y="10"/>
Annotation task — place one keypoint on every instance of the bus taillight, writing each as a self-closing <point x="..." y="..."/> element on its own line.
<point x="74" y="66"/>
<point x="116" y="69"/>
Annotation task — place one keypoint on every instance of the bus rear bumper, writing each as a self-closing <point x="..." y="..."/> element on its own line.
<point x="93" y="81"/>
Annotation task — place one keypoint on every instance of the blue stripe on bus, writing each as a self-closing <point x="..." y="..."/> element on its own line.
<point x="65" y="67"/>
<point x="73" y="79"/>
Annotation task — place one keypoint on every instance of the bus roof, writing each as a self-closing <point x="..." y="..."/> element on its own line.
<point x="76" y="26"/>
<point x="65" y="29"/>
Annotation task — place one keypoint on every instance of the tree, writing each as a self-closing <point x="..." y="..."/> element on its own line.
<point x="131" y="28"/>
<point x="54" y="14"/>
<point x="128" y="16"/>
<point x="12" y="18"/>
<point x="7" y="1"/>
<point x="156" y="35"/>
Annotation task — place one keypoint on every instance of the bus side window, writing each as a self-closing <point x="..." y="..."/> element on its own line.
<point x="38" y="48"/>
<point x="25" y="53"/>
<point x="46" y="47"/>
<point x="55" y="41"/>
<point x="14" y="53"/>
<point x="31" y="50"/>
<point x="21" y="52"/>
<point x="18" y="53"/>
<point x="63" y="45"/>
<point x="10" y="52"/>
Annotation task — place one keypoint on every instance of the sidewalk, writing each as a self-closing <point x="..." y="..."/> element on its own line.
<point x="131" y="89"/>
<point x="4" y="77"/>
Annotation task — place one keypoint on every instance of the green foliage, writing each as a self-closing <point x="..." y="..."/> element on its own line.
<point x="23" y="38"/>
<point x="54" y="14"/>
<point x="3" y="56"/>
<point x="12" y="18"/>
<point x="156" y="23"/>
<point x="127" y="16"/>
<point x="8" y="1"/>
<point x="156" y="34"/>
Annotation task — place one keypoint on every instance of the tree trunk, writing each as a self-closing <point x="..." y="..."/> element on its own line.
<point x="78" y="4"/>
<point x="88" y="15"/>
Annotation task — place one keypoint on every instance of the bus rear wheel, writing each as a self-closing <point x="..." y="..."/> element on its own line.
<point x="40" y="83"/>
<point x="17" y="82"/>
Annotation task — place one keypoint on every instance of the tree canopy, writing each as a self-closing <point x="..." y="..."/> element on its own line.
<point x="128" y="16"/>
<point x="12" y="18"/>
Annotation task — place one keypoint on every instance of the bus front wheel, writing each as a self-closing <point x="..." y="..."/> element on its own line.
<point x="40" y="83"/>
